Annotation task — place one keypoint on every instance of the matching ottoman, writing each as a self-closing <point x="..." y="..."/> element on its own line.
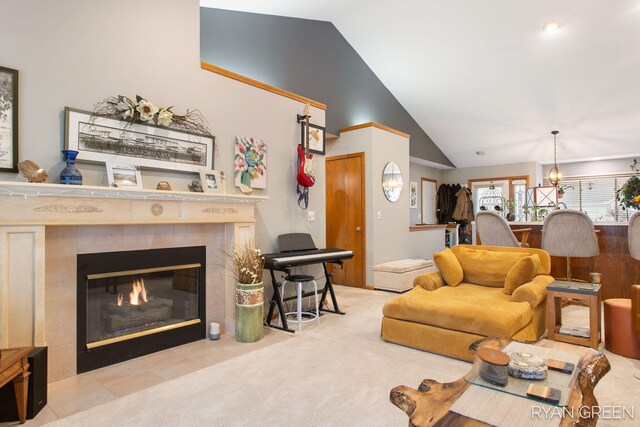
<point x="618" y="331"/>
<point x="397" y="276"/>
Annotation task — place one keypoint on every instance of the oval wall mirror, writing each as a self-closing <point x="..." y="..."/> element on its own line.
<point x="392" y="181"/>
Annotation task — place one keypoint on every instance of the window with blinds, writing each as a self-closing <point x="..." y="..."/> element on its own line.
<point x="595" y="195"/>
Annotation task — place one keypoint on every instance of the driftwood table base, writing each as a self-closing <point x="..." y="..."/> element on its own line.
<point x="429" y="404"/>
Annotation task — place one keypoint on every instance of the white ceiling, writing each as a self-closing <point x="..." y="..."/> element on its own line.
<point x="482" y="75"/>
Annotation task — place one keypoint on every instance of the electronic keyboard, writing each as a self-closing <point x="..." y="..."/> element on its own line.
<point x="298" y="249"/>
<point x="280" y="260"/>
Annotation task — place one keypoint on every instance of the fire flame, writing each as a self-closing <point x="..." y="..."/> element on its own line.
<point x="137" y="295"/>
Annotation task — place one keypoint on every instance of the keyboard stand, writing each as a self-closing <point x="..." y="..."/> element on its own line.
<point x="328" y="287"/>
<point x="277" y="302"/>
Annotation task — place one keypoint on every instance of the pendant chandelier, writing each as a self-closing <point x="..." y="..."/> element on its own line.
<point x="392" y="181"/>
<point x="555" y="175"/>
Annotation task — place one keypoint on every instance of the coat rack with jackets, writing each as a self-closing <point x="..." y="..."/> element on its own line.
<point x="455" y="204"/>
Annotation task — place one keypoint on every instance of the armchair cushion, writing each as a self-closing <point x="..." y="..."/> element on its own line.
<point x="429" y="281"/>
<point x="486" y="267"/>
<point x="534" y="292"/>
<point x="522" y="272"/>
<point x="479" y="310"/>
<point x="449" y="267"/>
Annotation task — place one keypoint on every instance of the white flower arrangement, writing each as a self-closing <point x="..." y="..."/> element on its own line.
<point x="144" y="111"/>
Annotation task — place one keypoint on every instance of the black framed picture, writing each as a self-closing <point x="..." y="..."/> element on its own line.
<point x="104" y="139"/>
<point x="8" y="120"/>
<point x="316" y="138"/>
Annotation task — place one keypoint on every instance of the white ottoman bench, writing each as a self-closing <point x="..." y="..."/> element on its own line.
<point x="397" y="276"/>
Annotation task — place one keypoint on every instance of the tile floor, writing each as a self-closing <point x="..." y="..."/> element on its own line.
<point x="83" y="391"/>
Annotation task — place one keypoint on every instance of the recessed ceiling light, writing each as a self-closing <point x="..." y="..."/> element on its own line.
<point x="480" y="153"/>
<point x="551" y="26"/>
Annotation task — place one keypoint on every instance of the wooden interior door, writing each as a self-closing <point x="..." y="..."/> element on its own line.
<point x="346" y="215"/>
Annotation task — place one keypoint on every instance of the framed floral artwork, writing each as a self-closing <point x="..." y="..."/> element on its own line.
<point x="413" y="195"/>
<point x="104" y="139"/>
<point x="8" y="120"/>
<point x="250" y="169"/>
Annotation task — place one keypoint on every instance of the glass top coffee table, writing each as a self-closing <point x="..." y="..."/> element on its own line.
<point x="430" y="404"/>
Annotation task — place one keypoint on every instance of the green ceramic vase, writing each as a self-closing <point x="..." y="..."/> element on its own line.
<point x="249" y="312"/>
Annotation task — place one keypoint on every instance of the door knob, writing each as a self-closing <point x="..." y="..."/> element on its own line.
<point x="357" y="228"/>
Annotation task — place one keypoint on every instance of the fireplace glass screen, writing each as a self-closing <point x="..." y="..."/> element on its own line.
<point x="129" y="304"/>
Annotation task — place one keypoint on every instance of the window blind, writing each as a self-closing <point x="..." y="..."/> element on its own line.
<point x="595" y="195"/>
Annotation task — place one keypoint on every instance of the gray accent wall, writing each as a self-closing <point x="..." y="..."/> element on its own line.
<point x="312" y="59"/>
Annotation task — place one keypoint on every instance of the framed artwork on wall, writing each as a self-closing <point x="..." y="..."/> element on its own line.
<point x="124" y="176"/>
<point x="103" y="139"/>
<point x="211" y="181"/>
<point x="316" y="138"/>
<point x="413" y="195"/>
<point x="8" y="120"/>
<point x="250" y="164"/>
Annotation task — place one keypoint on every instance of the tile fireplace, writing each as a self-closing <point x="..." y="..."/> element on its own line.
<point x="45" y="229"/>
<point x="132" y="303"/>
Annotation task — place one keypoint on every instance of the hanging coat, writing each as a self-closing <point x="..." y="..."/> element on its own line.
<point x="464" y="206"/>
<point x="443" y="203"/>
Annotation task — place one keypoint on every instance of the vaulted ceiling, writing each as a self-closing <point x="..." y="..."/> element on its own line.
<point x="484" y="76"/>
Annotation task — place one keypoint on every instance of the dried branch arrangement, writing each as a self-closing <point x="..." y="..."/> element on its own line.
<point x="246" y="263"/>
<point x="142" y="111"/>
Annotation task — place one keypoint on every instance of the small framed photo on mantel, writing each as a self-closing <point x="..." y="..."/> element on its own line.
<point x="124" y="176"/>
<point x="212" y="181"/>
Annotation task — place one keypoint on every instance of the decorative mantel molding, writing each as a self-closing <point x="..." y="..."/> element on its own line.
<point x="56" y="204"/>
<point x="27" y="189"/>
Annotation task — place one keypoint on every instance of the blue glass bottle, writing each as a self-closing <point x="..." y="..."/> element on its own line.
<point x="70" y="174"/>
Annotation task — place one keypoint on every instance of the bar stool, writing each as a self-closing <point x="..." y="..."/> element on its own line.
<point x="621" y="315"/>
<point x="494" y="230"/>
<point x="569" y="233"/>
<point x="302" y="316"/>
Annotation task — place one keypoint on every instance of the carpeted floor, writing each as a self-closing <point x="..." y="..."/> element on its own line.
<point x="339" y="373"/>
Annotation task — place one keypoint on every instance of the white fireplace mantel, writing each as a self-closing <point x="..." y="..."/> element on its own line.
<point x="57" y="204"/>
<point x="27" y="210"/>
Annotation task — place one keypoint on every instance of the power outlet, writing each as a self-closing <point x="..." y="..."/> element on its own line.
<point x="311" y="216"/>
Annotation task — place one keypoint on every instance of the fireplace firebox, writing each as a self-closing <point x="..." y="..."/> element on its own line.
<point x="134" y="303"/>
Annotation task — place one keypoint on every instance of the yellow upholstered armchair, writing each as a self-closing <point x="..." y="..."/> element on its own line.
<point x="479" y="291"/>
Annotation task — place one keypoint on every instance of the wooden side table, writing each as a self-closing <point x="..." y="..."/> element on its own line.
<point x="14" y="366"/>
<point x="587" y="292"/>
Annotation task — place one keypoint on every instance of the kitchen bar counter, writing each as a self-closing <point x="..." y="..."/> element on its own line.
<point x="619" y="270"/>
<point x="596" y="224"/>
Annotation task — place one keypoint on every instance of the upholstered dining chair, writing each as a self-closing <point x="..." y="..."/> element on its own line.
<point x="569" y="233"/>
<point x="634" y="250"/>
<point x="622" y="315"/>
<point x="494" y="230"/>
